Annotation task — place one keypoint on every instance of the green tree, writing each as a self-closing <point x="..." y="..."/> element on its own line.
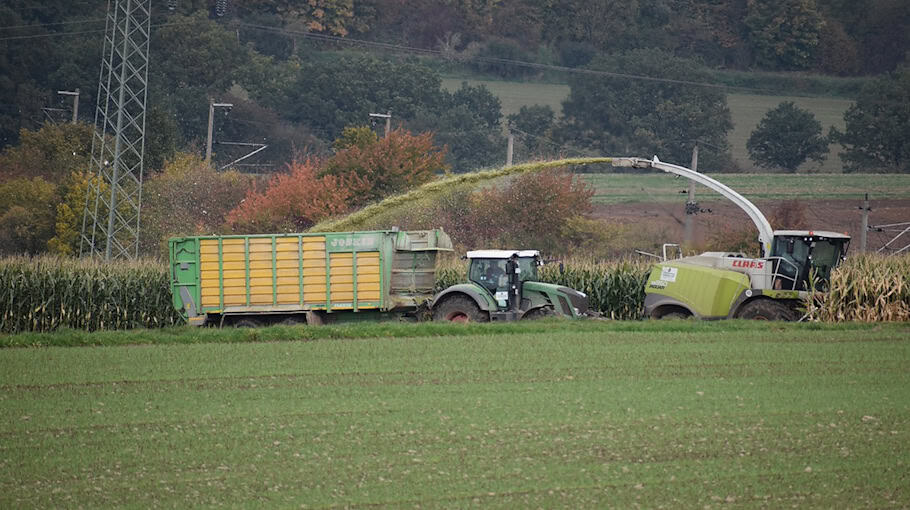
<point x="786" y="137"/>
<point x="468" y="122"/>
<point x="877" y="131"/>
<point x="328" y="95"/>
<point x="784" y="33"/>
<point x="52" y="152"/>
<point x="534" y="125"/>
<point x="660" y="115"/>
<point x="195" y="59"/>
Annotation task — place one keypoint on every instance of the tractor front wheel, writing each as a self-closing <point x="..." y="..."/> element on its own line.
<point x="459" y="309"/>
<point x="544" y="312"/>
<point x="766" y="310"/>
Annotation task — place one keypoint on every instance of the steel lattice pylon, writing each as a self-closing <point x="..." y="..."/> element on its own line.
<point x="110" y="223"/>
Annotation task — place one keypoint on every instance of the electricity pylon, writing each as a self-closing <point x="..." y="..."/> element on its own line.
<point x="110" y="223"/>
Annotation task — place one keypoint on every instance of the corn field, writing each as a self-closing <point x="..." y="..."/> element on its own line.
<point x="47" y="293"/>
<point x="866" y="288"/>
<point x="44" y="294"/>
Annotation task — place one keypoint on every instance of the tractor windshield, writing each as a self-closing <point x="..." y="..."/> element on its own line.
<point x="491" y="273"/>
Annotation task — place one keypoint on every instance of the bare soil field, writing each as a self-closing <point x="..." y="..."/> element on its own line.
<point x="825" y="214"/>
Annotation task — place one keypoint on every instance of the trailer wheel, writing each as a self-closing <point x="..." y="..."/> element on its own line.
<point x="247" y="323"/>
<point x="766" y="310"/>
<point x="459" y="309"/>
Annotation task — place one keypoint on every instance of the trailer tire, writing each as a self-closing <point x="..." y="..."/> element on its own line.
<point x="246" y="323"/>
<point x="459" y="308"/>
<point x="766" y="310"/>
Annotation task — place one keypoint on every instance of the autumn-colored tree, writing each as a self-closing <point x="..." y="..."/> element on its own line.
<point x="188" y="197"/>
<point x="26" y="215"/>
<point x="785" y="33"/>
<point x="292" y="201"/>
<point x="532" y="210"/>
<point x="379" y="167"/>
<point x="70" y="212"/>
<point x="326" y="16"/>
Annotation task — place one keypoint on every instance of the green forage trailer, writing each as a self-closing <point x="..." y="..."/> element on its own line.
<point x="252" y="280"/>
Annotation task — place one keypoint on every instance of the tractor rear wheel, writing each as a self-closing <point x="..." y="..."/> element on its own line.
<point x="459" y="309"/>
<point x="766" y="310"/>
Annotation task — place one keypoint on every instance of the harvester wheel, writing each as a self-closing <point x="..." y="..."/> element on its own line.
<point x="766" y="310"/>
<point x="459" y="309"/>
<point x="675" y="315"/>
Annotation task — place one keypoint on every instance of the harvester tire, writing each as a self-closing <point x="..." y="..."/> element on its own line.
<point x="675" y="315"/>
<point x="766" y="310"/>
<point x="459" y="309"/>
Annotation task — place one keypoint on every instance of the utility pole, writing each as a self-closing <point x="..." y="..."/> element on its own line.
<point x="691" y="204"/>
<point x="388" y="121"/>
<point x="75" y="102"/>
<point x="865" y="224"/>
<point x="208" y="140"/>
<point x="509" y="149"/>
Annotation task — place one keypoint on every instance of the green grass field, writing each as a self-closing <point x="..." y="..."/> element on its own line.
<point x="617" y="188"/>
<point x="746" y="109"/>
<point x="601" y="414"/>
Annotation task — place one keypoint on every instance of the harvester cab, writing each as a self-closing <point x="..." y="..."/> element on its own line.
<point x="716" y="285"/>
<point x="798" y="255"/>
<point x="503" y="286"/>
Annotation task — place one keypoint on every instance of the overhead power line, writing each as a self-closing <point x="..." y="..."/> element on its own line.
<point x="35" y="25"/>
<point x="82" y="32"/>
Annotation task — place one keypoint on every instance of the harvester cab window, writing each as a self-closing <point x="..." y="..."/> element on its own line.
<point x="795" y="253"/>
<point x="825" y="256"/>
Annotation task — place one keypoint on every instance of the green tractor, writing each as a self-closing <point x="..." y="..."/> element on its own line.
<point x="721" y="285"/>
<point x="503" y="287"/>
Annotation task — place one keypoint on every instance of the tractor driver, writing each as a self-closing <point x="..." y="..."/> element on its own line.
<point x="495" y="275"/>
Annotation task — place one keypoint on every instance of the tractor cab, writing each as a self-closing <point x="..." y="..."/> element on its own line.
<point x="502" y="272"/>
<point x="799" y="254"/>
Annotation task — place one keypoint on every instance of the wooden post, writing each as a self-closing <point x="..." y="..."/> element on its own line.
<point x="509" y="149"/>
<point x="865" y="224"/>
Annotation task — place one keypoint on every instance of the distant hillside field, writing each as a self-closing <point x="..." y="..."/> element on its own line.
<point x="619" y="188"/>
<point x="747" y="111"/>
